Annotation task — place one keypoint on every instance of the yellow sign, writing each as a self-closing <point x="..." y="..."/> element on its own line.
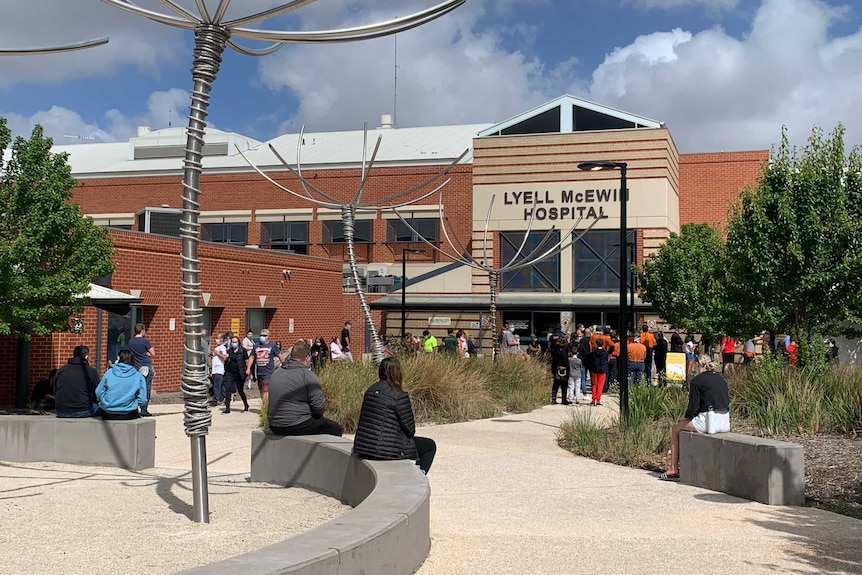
<point x="676" y="367"/>
<point x="234" y="325"/>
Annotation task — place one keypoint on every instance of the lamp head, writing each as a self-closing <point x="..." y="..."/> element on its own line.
<point x="600" y="165"/>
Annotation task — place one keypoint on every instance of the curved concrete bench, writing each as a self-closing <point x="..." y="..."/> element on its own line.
<point x="387" y="531"/>
<point x="755" y="468"/>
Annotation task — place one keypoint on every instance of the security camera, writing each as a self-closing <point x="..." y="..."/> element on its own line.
<point x="286" y="272"/>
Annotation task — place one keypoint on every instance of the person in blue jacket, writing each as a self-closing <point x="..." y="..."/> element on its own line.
<point x="122" y="389"/>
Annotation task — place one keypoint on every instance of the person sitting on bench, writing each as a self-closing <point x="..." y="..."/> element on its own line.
<point x="708" y="411"/>
<point x="122" y="389"/>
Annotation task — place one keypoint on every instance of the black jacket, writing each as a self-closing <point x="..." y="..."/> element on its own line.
<point x="707" y="390"/>
<point x="75" y="386"/>
<point x="676" y="345"/>
<point x="599" y="360"/>
<point x="386" y="424"/>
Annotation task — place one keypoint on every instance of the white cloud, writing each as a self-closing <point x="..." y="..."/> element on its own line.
<point x="68" y="127"/>
<point x="719" y="92"/>
<point x="35" y="23"/>
<point x="447" y="73"/>
<point x="668" y="4"/>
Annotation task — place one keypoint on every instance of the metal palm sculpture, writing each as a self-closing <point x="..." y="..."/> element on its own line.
<point x="53" y="49"/>
<point x="348" y="211"/>
<point x="213" y="34"/>
<point x="460" y="253"/>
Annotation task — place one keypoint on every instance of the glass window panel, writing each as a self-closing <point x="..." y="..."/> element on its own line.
<point x="285" y="236"/>
<point x="226" y="233"/>
<point x="597" y="260"/>
<point x="541" y="276"/>
<point x="398" y="231"/>
<point x="333" y="232"/>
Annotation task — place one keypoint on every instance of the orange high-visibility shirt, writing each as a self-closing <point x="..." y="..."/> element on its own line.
<point x="637" y="351"/>
<point x="647" y="339"/>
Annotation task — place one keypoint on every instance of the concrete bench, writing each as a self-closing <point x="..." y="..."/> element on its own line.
<point x="89" y="441"/>
<point x="755" y="468"/>
<point x="387" y="532"/>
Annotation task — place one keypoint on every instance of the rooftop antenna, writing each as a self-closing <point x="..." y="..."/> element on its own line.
<point x="395" y="96"/>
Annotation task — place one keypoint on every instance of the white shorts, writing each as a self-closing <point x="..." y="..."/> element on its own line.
<point x="721" y="422"/>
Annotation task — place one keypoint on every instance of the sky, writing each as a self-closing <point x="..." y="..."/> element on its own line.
<point x="723" y="75"/>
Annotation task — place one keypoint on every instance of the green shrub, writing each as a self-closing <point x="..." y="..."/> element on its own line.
<point x="640" y="443"/>
<point x="786" y="400"/>
<point x="443" y="388"/>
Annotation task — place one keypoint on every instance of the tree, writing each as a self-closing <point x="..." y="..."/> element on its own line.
<point x="793" y="243"/>
<point x="685" y="281"/>
<point x="49" y="253"/>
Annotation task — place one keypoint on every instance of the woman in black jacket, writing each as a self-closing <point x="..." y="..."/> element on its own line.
<point x="234" y="373"/>
<point x="386" y="428"/>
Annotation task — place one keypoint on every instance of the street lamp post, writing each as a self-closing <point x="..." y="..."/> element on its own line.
<point x="597" y="166"/>
<point x="404" y="253"/>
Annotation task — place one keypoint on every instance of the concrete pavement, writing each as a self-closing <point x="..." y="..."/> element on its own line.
<point x="506" y="499"/>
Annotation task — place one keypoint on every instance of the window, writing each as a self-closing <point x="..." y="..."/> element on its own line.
<point x="541" y="276"/>
<point x="285" y="236"/>
<point x="234" y="234"/>
<point x="163" y="221"/>
<point x="597" y="260"/>
<point x="255" y="320"/>
<point x="333" y="232"/>
<point x="397" y="231"/>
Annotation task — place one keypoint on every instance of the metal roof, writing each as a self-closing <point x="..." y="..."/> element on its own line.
<point x="402" y="146"/>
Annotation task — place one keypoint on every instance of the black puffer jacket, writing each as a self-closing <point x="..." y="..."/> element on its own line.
<point x="386" y="426"/>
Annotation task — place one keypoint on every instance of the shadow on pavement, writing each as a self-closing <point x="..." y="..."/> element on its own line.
<point x="825" y="541"/>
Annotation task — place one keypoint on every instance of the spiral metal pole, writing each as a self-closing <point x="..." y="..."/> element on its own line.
<point x="348" y="218"/>
<point x="493" y="278"/>
<point x="210" y="42"/>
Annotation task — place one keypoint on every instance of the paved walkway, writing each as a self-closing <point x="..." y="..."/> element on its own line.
<point x="507" y="499"/>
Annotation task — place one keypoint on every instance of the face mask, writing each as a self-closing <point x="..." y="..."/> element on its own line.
<point x="512" y="329"/>
<point x="234" y="344"/>
<point x="263" y="339"/>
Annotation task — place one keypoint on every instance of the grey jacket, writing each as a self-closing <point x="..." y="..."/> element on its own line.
<point x="295" y="395"/>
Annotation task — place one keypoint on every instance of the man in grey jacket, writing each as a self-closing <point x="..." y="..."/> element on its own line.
<point x="296" y="401"/>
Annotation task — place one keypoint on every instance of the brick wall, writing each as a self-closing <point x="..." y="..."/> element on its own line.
<point x="710" y="183"/>
<point x="235" y="278"/>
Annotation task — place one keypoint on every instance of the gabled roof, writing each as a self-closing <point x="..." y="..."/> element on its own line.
<point x="568" y="114"/>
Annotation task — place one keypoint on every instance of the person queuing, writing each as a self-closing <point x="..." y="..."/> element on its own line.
<point x="558" y="346"/>
<point x="599" y="369"/>
<point x="386" y="428"/>
<point x="235" y="373"/>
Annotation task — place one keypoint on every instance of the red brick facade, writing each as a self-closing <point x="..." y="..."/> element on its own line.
<point x="710" y="183"/>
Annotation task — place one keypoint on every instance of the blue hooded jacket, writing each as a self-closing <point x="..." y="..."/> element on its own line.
<point x="122" y="389"/>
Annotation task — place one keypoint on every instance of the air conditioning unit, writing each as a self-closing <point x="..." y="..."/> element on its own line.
<point x="378" y="270"/>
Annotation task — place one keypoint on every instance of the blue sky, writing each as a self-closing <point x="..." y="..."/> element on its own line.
<point x="723" y="74"/>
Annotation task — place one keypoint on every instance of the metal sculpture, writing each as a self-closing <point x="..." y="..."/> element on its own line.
<point x="348" y="210"/>
<point x="213" y="34"/>
<point x="54" y="49"/>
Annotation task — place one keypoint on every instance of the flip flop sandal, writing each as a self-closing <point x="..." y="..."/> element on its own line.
<point x="669" y="476"/>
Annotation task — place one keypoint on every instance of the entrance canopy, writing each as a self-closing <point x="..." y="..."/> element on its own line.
<point x="110" y="300"/>
<point x="532" y="301"/>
